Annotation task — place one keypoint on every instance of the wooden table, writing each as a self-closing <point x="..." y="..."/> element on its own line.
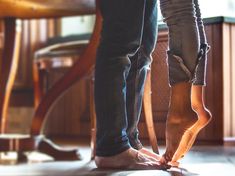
<point x="10" y="10"/>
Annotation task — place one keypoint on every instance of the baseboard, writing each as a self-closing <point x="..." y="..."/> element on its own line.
<point x="229" y="141"/>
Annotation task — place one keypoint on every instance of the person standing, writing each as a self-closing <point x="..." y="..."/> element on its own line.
<point x="187" y="59"/>
<point x="128" y="37"/>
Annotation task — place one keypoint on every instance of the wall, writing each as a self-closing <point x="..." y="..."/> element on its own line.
<point x="77" y="25"/>
<point x="219" y="8"/>
<point x="229" y="79"/>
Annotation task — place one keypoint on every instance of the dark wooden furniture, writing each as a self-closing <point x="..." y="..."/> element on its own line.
<point x="52" y="57"/>
<point x="10" y="10"/>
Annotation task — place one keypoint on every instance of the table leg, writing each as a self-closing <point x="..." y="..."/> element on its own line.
<point x="9" y="57"/>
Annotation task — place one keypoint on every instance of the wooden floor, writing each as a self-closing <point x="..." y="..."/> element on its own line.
<point x="202" y="160"/>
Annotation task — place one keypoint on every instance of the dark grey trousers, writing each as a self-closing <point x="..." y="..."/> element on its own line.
<point x="187" y="54"/>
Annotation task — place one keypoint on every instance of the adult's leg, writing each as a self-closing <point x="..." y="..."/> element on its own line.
<point x="182" y="60"/>
<point x="140" y="65"/>
<point x="120" y="39"/>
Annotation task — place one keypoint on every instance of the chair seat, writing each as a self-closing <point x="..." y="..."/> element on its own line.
<point x="64" y="49"/>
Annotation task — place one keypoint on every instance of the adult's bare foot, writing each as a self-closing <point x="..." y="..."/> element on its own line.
<point x="151" y="155"/>
<point x="129" y="159"/>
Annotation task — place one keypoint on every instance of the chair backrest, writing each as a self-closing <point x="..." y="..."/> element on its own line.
<point x="31" y="9"/>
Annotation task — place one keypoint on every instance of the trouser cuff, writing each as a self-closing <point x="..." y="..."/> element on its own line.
<point x="177" y="70"/>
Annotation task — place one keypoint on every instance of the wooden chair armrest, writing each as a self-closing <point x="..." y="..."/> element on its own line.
<point x="63" y="48"/>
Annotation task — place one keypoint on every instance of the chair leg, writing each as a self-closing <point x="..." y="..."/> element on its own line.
<point x="8" y="65"/>
<point x="93" y="119"/>
<point x="147" y="105"/>
<point x="9" y="58"/>
<point x="38" y="77"/>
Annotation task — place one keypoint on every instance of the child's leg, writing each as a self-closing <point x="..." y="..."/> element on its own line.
<point x="197" y="97"/>
<point x="184" y="49"/>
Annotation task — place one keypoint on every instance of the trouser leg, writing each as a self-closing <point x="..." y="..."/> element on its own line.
<point x="184" y="39"/>
<point x="120" y="39"/>
<point x="140" y="64"/>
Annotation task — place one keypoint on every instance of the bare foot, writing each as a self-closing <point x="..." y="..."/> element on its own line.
<point x="151" y="155"/>
<point x="204" y="117"/>
<point x="129" y="159"/>
<point x="190" y="135"/>
<point x="174" y="163"/>
<point x="181" y="118"/>
<point x="178" y="134"/>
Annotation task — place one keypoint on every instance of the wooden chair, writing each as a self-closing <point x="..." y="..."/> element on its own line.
<point x="59" y="56"/>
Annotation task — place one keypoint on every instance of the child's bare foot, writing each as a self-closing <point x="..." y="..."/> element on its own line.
<point x="181" y="118"/>
<point x="177" y="136"/>
<point x="204" y="117"/>
<point x="151" y="155"/>
<point x="174" y="163"/>
<point x="129" y="159"/>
